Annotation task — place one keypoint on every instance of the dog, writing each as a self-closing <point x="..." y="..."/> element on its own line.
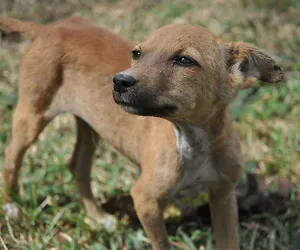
<point x="167" y="111"/>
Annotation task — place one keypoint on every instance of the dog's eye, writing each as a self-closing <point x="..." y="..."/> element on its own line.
<point x="136" y="54"/>
<point x="185" y="61"/>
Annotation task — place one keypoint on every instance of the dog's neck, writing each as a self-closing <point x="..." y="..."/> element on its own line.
<point x="204" y="134"/>
<point x="191" y="139"/>
<point x="213" y="124"/>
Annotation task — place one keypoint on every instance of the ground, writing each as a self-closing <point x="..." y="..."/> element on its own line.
<point x="267" y="120"/>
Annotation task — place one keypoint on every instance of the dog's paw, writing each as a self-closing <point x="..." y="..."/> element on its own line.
<point x="107" y="221"/>
<point x="10" y="210"/>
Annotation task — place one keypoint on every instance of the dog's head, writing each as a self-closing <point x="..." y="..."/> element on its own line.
<point x="183" y="71"/>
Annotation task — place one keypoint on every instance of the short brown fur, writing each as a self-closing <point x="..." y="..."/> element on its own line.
<point x="69" y="68"/>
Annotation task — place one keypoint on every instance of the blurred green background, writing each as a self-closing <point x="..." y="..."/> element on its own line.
<point x="267" y="120"/>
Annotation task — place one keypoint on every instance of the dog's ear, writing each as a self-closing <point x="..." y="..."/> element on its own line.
<point x="247" y="64"/>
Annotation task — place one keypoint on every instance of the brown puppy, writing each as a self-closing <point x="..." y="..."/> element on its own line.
<point x="181" y="73"/>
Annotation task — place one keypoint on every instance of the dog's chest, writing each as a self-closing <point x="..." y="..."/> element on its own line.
<point x="194" y="150"/>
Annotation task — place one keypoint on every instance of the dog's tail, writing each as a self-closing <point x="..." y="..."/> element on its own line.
<point x="30" y="29"/>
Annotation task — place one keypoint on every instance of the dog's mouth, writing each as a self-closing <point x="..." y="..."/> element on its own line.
<point x="143" y="107"/>
<point x="160" y="111"/>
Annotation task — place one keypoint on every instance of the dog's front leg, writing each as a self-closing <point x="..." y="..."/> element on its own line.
<point x="150" y="212"/>
<point x="223" y="207"/>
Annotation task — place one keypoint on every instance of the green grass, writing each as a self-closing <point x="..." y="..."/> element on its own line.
<point x="52" y="216"/>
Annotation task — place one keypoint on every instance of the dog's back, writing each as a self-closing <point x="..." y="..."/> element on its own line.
<point x="73" y="36"/>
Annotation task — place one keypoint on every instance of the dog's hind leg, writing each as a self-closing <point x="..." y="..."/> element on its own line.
<point x="39" y="79"/>
<point x="80" y="166"/>
<point x="27" y="125"/>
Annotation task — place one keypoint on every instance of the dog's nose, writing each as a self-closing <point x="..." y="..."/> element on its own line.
<point x="123" y="81"/>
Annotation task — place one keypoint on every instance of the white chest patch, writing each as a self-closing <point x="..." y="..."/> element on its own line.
<point x="194" y="148"/>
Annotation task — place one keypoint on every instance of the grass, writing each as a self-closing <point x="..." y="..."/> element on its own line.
<point x="52" y="216"/>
